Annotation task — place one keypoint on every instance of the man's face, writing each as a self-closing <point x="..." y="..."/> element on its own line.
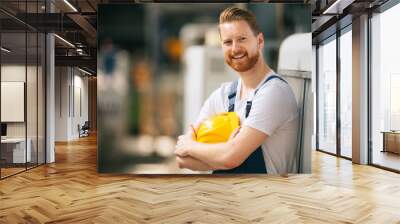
<point x="240" y="45"/>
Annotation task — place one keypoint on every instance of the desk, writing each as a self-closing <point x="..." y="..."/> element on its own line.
<point x="15" y="148"/>
<point x="391" y="141"/>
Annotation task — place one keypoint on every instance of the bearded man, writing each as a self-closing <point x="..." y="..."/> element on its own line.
<point x="265" y="103"/>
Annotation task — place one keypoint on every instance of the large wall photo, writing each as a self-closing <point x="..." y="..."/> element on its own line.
<point x="204" y="88"/>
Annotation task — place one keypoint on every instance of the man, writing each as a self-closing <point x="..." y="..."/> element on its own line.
<point x="263" y="100"/>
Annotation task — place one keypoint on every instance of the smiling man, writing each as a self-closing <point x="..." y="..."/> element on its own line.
<point x="265" y="103"/>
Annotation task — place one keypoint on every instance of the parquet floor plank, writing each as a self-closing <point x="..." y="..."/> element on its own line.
<point x="71" y="191"/>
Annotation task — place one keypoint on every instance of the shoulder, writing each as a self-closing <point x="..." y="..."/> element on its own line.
<point x="276" y="86"/>
<point x="277" y="93"/>
<point x="220" y="95"/>
<point x="226" y="86"/>
<point x="223" y="91"/>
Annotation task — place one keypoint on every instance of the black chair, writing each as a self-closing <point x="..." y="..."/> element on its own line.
<point x="84" y="130"/>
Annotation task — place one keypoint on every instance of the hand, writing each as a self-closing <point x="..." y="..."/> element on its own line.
<point x="180" y="161"/>
<point x="184" y="144"/>
<point x="191" y="163"/>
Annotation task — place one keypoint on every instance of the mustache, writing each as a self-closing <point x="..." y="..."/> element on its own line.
<point x="237" y="54"/>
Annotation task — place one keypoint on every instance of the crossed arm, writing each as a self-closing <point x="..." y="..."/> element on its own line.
<point x="220" y="156"/>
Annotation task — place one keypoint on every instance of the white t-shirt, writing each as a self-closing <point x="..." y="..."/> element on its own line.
<point x="274" y="112"/>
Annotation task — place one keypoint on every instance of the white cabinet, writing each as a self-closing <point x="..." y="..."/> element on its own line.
<point x="205" y="71"/>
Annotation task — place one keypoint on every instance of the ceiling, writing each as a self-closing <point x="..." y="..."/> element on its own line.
<point x="76" y="22"/>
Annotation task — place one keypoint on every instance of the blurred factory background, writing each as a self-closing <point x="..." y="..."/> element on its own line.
<point x="159" y="62"/>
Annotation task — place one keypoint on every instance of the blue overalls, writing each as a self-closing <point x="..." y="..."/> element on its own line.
<point x="255" y="162"/>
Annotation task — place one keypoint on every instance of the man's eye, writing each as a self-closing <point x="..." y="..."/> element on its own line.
<point x="242" y="38"/>
<point x="227" y="42"/>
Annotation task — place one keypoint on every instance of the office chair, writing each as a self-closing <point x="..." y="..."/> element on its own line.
<point x="84" y="130"/>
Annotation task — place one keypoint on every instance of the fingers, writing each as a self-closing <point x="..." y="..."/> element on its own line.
<point x="184" y="143"/>
<point x="180" y="162"/>
<point x="182" y="137"/>
<point x="179" y="149"/>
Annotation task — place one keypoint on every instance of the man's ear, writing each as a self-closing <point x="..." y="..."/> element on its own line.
<point x="260" y="40"/>
<point x="219" y="32"/>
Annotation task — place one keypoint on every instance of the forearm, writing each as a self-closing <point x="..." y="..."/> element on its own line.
<point x="189" y="162"/>
<point x="225" y="155"/>
<point x="217" y="156"/>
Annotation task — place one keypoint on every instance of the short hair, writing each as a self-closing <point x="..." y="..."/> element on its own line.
<point x="237" y="14"/>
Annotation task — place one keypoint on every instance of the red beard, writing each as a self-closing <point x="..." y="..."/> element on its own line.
<point x="243" y="64"/>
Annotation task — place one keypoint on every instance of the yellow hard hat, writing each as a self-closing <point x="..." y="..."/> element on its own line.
<point x="218" y="128"/>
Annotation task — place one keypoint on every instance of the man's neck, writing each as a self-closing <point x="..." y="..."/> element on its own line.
<point x="253" y="77"/>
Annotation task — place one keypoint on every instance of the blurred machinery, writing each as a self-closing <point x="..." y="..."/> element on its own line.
<point x="294" y="63"/>
<point x="205" y="70"/>
<point x="204" y="67"/>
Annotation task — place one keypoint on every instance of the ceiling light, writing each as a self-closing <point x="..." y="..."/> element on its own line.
<point x="84" y="71"/>
<point x="70" y="5"/>
<point x="65" y="41"/>
<point x="338" y="6"/>
<point x="5" y="49"/>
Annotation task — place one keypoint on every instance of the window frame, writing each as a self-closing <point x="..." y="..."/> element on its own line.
<point x="334" y="37"/>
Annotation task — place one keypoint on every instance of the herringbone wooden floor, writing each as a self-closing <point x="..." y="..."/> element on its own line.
<point x="71" y="191"/>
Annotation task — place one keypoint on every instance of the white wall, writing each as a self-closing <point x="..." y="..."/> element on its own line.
<point x="12" y="73"/>
<point x="70" y="83"/>
<point x="80" y="84"/>
<point x="62" y="81"/>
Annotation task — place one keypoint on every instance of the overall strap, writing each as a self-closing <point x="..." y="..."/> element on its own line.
<point x="255" y="162"/>
<point x="249" y="103"/>
<point x="231" y="96"/>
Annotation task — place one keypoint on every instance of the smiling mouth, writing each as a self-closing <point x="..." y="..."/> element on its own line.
<point x="238" y="57"/>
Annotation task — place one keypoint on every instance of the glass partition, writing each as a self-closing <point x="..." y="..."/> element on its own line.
<point x="14" y="152"/>
<point x="346" y="94"/>
<point x="41" y="109"/>
<point x="327" y="97"/>
<point x="31" y="100"/>
<point x="22" y="79"/>
<point x="32" y="85"/>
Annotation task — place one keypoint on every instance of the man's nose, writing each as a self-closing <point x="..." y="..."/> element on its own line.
<point x="236" y="47"/>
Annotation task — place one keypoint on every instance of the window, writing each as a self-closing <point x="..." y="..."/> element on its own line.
<point x="327" y="97"/>
<point x="346" y="94"/>
<point x="385" y="89"/>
